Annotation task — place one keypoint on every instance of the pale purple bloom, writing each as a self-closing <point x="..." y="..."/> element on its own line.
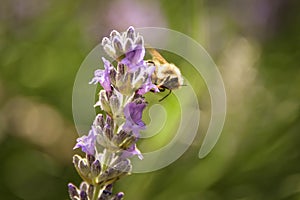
<point x="133" y="114"/>
<point x="148" y="85"/>
<point x="131" y="151"/>
<point x="102" y="76"/>
<point x="134" y="58"/>
<point x="87" y="143"/>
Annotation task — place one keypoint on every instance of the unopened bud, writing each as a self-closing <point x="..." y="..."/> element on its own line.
<point x="118" y="47"/>
<point x="112" y="76"/>
<point x="76" y="159"/>
<point x="95" y="168"/>
<point x="83" y="195"/>
<point x="128" y="45"/>
<point x="99" y="121"/>
<point x="90" y="191"/>
<point x="115" y="103"/>
<point x="130" y="33"/>
<point x="73" y="191"/>
<point x="83" y="168"/>
<point x="83" y="186"/>
<point x="104" y="103"/>
<point x="121" y="70"/>
<point x="123" y="166"/>
<point x="90" y="159"/>
<point x="118" y="196"/>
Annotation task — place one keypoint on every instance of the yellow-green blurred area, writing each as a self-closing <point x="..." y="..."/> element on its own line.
<point x="255" y="45"/>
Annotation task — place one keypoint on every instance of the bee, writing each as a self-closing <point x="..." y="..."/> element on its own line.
<point x="166" y="75"/>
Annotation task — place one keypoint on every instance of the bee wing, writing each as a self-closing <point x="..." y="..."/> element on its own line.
<point x="156" y="56"/>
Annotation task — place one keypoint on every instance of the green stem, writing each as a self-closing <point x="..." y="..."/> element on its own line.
<point x="98" y="190"/>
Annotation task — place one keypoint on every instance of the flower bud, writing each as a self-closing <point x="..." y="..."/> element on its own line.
<point x="73" y="191"/>
<point x="95" y="168"/>
<point x="90" y="159"/>
<point x="83" y="168"/>
<point x="121" y="70"/>
<point x="118" y="47"/>
<point x="108" y="132"/>
<point x="107" y="192"/>
<point x="128" y="44"/>
<point x="90" y="191"/>
<point x="123" y="139"/>
<point x="83" y="195"/>
<point x="108" y="189"/>
<point x="105" y="41"/>
<point x="123" y="167"/>
<point x="130" y="33"/>
<point x="118" y="196"/>
<point x="103" y="102"/>
<point x="109" y="50"/>
<point x="116" y="101"/>
<point x="112" y="76"/>
<point x="76" y="159"/>
<point x="114" y="33"/>
<point x="139" y="41"/>
<point x="83" y="186"/>
<point x="99" y="121"/>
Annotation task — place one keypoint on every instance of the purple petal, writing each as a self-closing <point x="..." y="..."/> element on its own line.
<point x="148" y="85"/>
<point x="133" y="115"/>
<point x="102" y="76"/>
<point x="87" y="143"/>
<point x="131" y="151"/>
<point x="134" y="59"/>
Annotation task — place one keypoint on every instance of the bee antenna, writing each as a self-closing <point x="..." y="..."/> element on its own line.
<point x="184" y="85"/>
<point x="165" y="96"/>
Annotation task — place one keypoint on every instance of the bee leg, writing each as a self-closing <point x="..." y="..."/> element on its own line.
<point x="165" y="96"/>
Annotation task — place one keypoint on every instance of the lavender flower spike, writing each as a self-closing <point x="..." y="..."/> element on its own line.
<point x="112" y="139"/>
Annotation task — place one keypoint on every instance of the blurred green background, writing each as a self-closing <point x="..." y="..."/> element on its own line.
<point x="254" y="43"/>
